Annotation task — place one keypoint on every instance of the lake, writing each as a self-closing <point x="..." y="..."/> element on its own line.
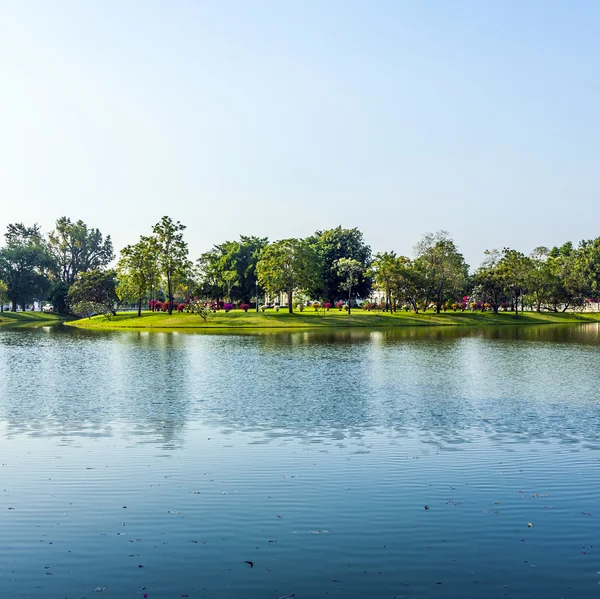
<point x="442" y="463"/>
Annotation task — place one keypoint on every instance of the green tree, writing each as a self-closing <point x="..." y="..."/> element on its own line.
<point x="330" y="246"/>
<point x="287" y="265"/>
<point x="94" y="292"/>
<point x="541" y="280"/>
<point x="488" y="283"/>
<point x="137" y="271"/>
<point x="172" y="254"/>
<point x="444" y="269"/>
<point x="387" y="269"/>
<point x="587" y="267"/>
<point x="239" y="256"/>
<point x="408" y="283"/>
<point x="230" y="277"/>
<point x="3" y="295"/>
<point x="349" y="269"/>
<point x="77" y="248"/>
<point x="514" y="269"/>
<point x="58" y="296"/>
<point x="25" y="264"/>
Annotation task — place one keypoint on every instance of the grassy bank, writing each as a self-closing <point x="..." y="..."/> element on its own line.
<point x="310" y="319"/>
<point x="30" y="319"/>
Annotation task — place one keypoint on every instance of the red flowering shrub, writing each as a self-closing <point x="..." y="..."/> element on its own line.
<point x="328" y="306"/>
<point x="244" y="307"/>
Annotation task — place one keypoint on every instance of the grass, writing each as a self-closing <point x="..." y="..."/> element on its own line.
<point x="30" y="319"/>
<point x="238" y="319"/>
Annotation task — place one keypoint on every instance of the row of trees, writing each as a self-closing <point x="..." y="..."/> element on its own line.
<point x="33" y="266"/>
<point x="70" y="267"/>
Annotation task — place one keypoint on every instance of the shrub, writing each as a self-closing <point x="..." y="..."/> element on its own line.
<point x="369" y="306"/>
<point x="245" y="307"/>
<point x="454" y="306"/>
<point x="339" y="305"/>
<point x="228" y="307"/>
<point x="316" y="305"/>
<point x="328" y="306"/>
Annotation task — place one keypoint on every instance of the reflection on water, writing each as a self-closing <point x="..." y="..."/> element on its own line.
<point x="160" y="464"/>
<point x="438" y="383"/>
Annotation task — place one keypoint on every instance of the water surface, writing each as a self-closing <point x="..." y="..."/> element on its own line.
<point x="160" y="464"/>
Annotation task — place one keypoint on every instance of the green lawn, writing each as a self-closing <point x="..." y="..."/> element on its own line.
<point x="238" y="319"/>
<point x="30" y="319"/>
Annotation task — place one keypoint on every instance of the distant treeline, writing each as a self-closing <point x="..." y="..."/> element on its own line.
<point x="70" y="268"/>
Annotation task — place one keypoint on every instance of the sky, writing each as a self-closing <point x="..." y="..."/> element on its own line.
<point x="279" y="118"/>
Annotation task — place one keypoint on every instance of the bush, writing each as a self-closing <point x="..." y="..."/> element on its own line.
<point x="369" y="306"/>
<point x="328" y="306"/>
<point x="316" y="305"/>
<point x="339" y="305"/>
<point x="228" y="307"/>
<point x="245" y="307"/>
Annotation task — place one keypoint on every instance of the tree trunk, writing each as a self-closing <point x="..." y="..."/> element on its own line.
<point x="14" y="305"/>
<point x="290" y="302"/>
<point x="140" y="306"/>
<point x="349" y="297"/>
<point x="516" y="304"/>
<point x="169" y="296"/>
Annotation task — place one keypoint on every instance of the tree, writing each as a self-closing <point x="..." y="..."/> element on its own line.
<point x="541" y="277"/>
<point x="58" y="296"/>
<point x="330" y="246"/>
<point x="287" y="265"/>
<point x="77" y="248"/>
<point x="488" y="284"/>
<point x="172" y="253"/>
<point x="93" y="292"/>
<point x="231" y="280"/>
<point x="514" y="270"/>
<point x="3" y="295"/>
<point x="240" y="257"/>
<point x="408" y="283"/>
<point x="587" y="266"/>
<point x="137" y="270"/>
<point x="25" y="264"/>
<point x="444" y="268"/>
<point x="349" y="269"/>
<point x="387" y="270"/>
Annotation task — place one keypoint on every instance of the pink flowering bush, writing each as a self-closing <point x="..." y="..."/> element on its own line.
<point x="245" y="307"/>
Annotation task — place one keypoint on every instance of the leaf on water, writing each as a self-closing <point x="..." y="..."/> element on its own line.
<point x="529" y="524"/>
<point x="172" y="512"/>
<point x="426" y="507"/>
<point x="288" y="596"/>
<point x="99" y="589"/>
<point x="251" y="564"/>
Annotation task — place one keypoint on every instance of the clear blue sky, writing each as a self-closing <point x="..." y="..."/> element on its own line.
<point x="277" y="118"/>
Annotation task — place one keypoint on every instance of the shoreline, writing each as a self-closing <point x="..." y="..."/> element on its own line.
<point x="237" y="321"/>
